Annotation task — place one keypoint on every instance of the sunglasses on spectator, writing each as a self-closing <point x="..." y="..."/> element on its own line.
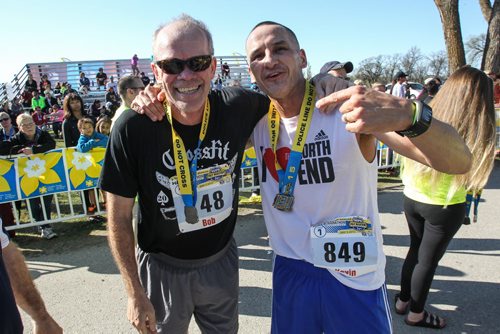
<point x="176" y="66"/>
<point x="4" y="119"/>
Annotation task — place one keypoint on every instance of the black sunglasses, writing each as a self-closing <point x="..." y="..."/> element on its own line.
<point x="4" y="119"/>
<point x="176" y="66"/>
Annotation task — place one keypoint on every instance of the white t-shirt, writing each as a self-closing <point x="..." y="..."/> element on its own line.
<point x="334" y="180"/>
<point x="399" y="90"/>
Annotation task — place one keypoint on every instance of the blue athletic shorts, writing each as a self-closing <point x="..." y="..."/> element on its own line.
<point x="308" y="299"/>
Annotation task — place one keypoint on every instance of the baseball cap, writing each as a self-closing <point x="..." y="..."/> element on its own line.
<point x="426" y="81"/>
<point x="336" y="65"/>
<point x="400" y="74"/>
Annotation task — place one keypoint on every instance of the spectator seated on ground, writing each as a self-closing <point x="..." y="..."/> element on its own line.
<point x="57" y="89"/>
<point x="26" y="97"/>
<point x="109" y="110"/>
<point x="31" y="84"/>
<point x="45" y="83"/>
<point x="55" y="118"/>
<point x="225" y="71"/>
<point x="112" y="84"/>
<point x="39" y="118"/>
<point x="112" y="98"/>
<point x="38" y="101"/>
<point x="50" y="100"/>
<point x="84" y="84"/>
<point x="16" y="107"/>
<point x="101" y="78"/>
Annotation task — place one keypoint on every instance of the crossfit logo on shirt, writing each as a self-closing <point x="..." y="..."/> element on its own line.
<point x="214" y="150"/>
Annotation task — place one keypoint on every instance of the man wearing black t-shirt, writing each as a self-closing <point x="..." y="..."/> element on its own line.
<point x="101" y="78"/>
<point x="185" y="237"/>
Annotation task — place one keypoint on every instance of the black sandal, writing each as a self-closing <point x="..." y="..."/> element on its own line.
<point x="429" y="320"/>
<point x="399" y="311"/>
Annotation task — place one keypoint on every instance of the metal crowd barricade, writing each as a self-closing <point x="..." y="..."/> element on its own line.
<point x="76" y="208"/>
<point x="71" y="204"/>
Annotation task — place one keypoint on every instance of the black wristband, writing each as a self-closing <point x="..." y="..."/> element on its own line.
<point x="423" y="118"/>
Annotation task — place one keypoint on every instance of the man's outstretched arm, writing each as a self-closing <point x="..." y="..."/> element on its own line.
<point x="372" y="112"/>
<point x="25" y="292"/>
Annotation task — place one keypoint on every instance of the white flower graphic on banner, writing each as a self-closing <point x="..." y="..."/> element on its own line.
<point x="35" y="167"/>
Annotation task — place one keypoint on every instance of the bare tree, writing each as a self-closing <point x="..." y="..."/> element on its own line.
<point x="450" y="20"/>
<point x="491" y="57"/>
<point x="370" y="69"/>
<point x="410" y="60"/>
<point x="420" y="72"/>
<point x="391" y="65"/>
<point x="474" y="48"/>
<point x="438" y="64"/>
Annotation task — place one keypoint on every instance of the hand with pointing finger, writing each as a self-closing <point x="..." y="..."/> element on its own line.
<point x="150" y="103"/>
<point x="369" y="111"/>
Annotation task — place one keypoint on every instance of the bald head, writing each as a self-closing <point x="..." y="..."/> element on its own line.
<point x="287" y="30"/>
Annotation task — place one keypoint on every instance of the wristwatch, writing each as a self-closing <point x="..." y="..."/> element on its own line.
<point x="421" y="120"/>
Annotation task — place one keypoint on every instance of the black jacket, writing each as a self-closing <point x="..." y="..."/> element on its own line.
<point x="43" y="142"/>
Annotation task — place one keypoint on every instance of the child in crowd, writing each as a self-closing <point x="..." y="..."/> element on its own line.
<point x="88" y="140"/>
<point x="104" y="127"/>
<point x="88" y="137"/>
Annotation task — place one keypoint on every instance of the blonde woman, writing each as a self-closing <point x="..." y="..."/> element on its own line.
<point x="434" y="202"/>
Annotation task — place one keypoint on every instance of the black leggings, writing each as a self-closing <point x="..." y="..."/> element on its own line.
<point x="431" y="229"/>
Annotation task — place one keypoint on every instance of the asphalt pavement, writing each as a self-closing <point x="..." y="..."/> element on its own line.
<point x="84" y="292"/>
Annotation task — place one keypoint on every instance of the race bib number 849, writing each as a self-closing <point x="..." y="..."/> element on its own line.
<point x="345" y="244"/>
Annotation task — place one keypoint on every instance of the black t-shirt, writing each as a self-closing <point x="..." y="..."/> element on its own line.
<point x="101" y="78"/>
<point x="140" y="160"/>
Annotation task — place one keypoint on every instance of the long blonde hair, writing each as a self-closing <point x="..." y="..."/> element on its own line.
<point x="465" y="101"/>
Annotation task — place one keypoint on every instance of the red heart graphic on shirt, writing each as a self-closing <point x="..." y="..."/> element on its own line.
<point x="283" y="154"/>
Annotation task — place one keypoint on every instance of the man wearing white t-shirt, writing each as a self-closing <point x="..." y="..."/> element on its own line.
<point x="399" y="88"/>
<point x="319" y="189"/>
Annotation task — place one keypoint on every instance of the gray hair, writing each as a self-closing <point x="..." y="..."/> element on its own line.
<point x="22" y="117"/>
<point x="186" y="23"/>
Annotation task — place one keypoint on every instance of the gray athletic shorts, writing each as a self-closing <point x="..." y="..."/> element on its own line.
<point x="206" y="288"/>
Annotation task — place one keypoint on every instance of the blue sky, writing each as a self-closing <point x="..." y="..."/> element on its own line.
<point x="34" y="31"/>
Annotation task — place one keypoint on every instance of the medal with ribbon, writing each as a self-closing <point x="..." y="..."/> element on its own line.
<point x="287" y="178"/>
<point x="185" y="171"/>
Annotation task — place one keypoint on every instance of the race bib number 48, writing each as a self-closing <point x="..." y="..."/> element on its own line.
<point x="346" y="244"/>
<point x="214" y="204"/>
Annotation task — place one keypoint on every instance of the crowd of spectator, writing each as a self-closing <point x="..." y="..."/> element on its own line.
<point x="30" y="124"/>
